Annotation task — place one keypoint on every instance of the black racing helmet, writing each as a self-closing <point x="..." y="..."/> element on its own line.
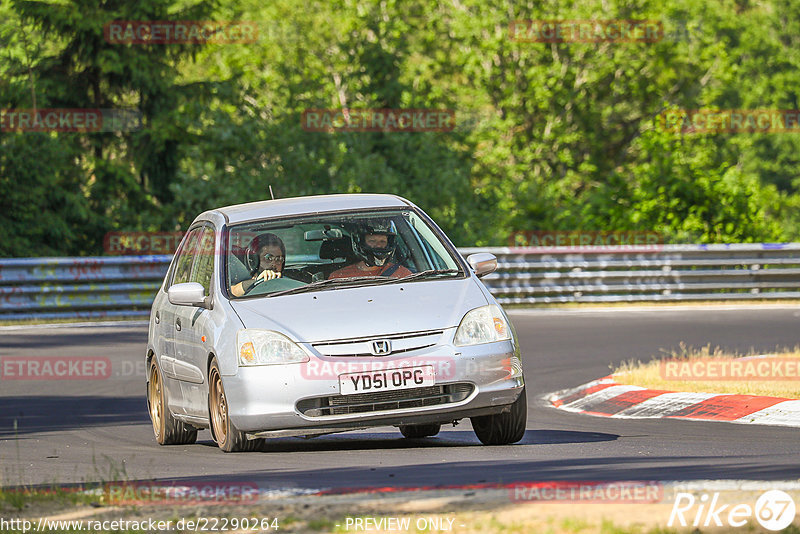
<point x="374" y="256"/>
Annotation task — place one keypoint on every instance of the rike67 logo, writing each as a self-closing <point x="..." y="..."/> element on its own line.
<point x="774" y="510"/>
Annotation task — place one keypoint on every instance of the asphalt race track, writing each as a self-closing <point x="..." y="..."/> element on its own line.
<point x="98" y="430"/>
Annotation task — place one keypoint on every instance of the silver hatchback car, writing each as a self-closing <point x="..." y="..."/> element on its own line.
<point x="313" y="315"/>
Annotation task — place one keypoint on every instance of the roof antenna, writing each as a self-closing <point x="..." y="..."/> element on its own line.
<point x="271" y="193"/>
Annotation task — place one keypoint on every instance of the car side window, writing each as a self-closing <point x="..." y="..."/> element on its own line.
<point x="203" y="266"/>
<point x="436" y="251"/>
<point x="183" y="265"/>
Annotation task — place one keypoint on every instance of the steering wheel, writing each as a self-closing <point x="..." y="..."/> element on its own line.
<point x="257" y="282"/>
<point x="276" y="284"/>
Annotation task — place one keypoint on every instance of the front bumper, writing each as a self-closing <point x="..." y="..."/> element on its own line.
<point x="264" y="399"/>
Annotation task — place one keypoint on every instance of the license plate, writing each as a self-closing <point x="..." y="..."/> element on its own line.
<point x="387" y="380"/>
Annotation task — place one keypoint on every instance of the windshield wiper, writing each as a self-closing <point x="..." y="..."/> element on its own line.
<point x="358" y="279"/>
<point x="424" y="274"/>
<point x="329" y="282"/>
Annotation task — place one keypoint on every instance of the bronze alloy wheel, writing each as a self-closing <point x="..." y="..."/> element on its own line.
<point x="167" y="429"/>
<point x="227" y="436"/>
<point x="219" y="406"/>
<point x="154" y="400"/>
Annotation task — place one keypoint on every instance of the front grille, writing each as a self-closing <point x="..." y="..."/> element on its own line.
<point x="360" y="347"/>
<point x="385" y="400"/>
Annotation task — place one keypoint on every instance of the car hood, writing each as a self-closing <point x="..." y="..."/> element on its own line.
<point x="354" y="312"/>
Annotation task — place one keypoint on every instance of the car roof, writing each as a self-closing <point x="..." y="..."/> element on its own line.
<point x="304" y="205"/>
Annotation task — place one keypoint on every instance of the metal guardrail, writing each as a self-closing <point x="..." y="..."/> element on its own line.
<point x="108" y="287"/>
<point x="649" y="273"/>
<point x="92" y="287"/>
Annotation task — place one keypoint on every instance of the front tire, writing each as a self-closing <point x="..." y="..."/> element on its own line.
<point x="503" y="428"/>
<point x="167" y="429"/>
<point x="227" y="436"/>
<point x="419" y="431"/>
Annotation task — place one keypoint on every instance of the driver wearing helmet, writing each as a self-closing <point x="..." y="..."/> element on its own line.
<point x="375" y="245"/>
<point x="265" y="256"/>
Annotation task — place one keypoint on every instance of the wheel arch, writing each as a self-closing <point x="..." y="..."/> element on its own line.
<point x="209" y="358"/>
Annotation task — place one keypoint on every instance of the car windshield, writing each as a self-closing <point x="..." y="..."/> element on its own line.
<point x="314" y="253"/>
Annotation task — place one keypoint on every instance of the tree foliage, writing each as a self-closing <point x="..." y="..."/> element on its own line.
<point x="549" y="136"/>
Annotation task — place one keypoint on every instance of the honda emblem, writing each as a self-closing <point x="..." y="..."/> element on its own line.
<point x="381" y="346"/>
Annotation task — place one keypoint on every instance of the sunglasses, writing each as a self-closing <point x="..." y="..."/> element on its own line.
<point x="272" y="258"/>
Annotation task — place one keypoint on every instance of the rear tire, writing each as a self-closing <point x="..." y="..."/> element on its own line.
<point x="228" y="437"/>
<point x="503" y="428"/>
<point x="419" y="431"/>
<point x="167" y="429"/>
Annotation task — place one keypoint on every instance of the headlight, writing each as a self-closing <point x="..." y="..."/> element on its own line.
<point x="482" y="325"/>
<point x="265" y="347"/>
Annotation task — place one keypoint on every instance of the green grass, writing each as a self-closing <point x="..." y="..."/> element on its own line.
<point x="327" y="525"/>
<point x="20" y="498"/>
<point x="17" y="495"/>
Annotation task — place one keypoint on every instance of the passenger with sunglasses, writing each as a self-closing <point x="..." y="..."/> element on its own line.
<point x="265" y="256"/>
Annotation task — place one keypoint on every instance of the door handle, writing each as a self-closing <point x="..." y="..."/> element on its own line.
<point x="158" y="317"/>
<point x="178" y="324"/>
